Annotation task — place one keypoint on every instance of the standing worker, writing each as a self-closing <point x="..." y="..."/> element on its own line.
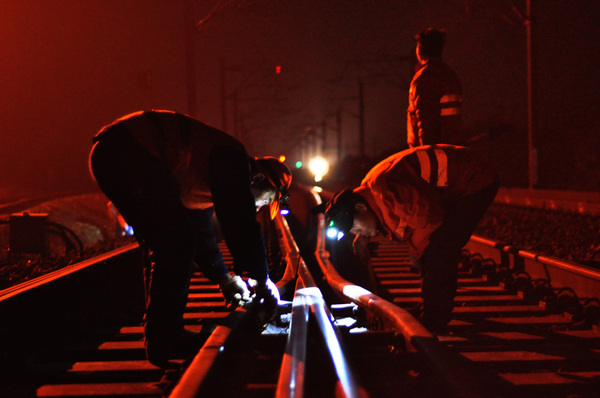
<point x="167" y="173"/>
<point x="435" y="95"/>
<point x="432" y="197"/>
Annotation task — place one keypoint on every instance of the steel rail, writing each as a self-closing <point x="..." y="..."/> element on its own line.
<point x="291" y="255"/>
<point x="196" y="373"/>
<point x="291" y="375"/>
<point x="293" y="365"/>
<point x="585" y="281"/>
<point x="191" y="381"/>
<point x="308" y="297"/>
<point x="63" y="272"/>
<point x="417" y="337"/>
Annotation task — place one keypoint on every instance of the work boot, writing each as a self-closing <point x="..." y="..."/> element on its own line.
<point x="435" y="326"/>
<point x="161" y="349"/>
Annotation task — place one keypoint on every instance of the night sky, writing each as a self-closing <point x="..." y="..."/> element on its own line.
<point x="68" y="67"/>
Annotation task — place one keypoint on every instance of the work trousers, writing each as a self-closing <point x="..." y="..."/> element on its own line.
<point x="439" y="262"/>
<point x="175" y="237"/>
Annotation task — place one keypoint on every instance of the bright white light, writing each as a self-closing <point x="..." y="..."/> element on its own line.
<point x="358" y="330"/>
<point x="345" y="322"/>
<point x="319" y="167"/>
<point x="309" y="292"/>
<point x="332" y="233"/>
<point x="355" y="292"/>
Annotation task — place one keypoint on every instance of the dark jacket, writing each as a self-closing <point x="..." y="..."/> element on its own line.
<point x="434" y="105"/>
<point x="212" y="169"/>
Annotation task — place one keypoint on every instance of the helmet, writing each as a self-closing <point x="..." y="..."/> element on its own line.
<point x="339" y="213"/>
<point x="278" y="175"/>
<point x="431" y="41"/>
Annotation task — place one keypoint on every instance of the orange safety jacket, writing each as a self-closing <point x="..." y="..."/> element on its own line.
<point x="408" y="190"/>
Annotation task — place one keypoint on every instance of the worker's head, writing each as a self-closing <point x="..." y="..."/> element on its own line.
<point x="348" y="212"/>
<point x="430" y="43"/>
<point x="270" y="183"/>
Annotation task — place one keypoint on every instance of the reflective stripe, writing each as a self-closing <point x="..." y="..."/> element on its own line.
<point x="451" y="98"/>
<point x="442" y="166"/>
<point x="452" y="103"/>
<point x="425" y="164"/>
<point x="442" y="178"/>
<point x="450" y="111"/>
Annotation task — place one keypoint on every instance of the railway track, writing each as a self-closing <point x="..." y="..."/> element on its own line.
<point x="516" y="319"/>
<point x="514" y="333"/>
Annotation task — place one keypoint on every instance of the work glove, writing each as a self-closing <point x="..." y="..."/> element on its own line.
<point x="363" y="248"/>
<point x="266" y="297"/>
<point x="234" y="290"/>
<point x="360" y="246"/>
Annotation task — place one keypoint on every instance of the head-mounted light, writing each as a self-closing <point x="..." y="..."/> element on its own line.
<point x="339" y="214"/>
<point x="332" y="232"/>
<point x="284" y="209"/>
<point x="279" y="175"/>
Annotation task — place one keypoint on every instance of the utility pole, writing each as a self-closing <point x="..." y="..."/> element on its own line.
<point x="361" y="120"/>
<point x="190" y="56"/>
<point x="223" y="94"/>
<point x="236" y="116"/>
<point x="324" y="138"/>
<point x="531" y="150"/>
<point x="338" y="119"/>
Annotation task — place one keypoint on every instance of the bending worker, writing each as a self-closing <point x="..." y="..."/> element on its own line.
<point x="432" y="197"/>
<point x="166" y="173"/>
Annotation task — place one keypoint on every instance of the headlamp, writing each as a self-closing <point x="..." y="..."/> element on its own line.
<point x="339" y="214"/>
<point x="334" y="233"/>
<point x="280" y="177"/>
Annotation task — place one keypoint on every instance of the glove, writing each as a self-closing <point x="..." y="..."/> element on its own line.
<point x="234" y="290"/>
<point x="360" y="246"/>
<point x="266" y="295"/>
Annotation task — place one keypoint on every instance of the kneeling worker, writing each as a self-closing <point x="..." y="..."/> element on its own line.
<point x="167" y="173"/>
<point x="432" y="197"/>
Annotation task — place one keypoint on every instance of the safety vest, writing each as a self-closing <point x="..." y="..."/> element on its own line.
<point x="433" y="163"/>
<point x="408" y="189"/>
<point x="434" y="106"/>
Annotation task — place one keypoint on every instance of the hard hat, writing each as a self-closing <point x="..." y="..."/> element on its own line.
<point x="339" y="212"/>
<point x="278" y="175"/>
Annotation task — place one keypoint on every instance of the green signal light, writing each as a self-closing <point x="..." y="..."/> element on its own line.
<point x="298" y="164"/>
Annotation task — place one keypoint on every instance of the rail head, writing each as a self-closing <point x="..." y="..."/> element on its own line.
<point x="558" y="272"/>
<point x="309" y="299"/>
<point x="195" y="375"/>
<point x="26" y="286"/>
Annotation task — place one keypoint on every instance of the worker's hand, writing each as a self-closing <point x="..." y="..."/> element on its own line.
<point x="360" y="246"/>
<point x="234" y="290"/>
<point x="266" y="296"/>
